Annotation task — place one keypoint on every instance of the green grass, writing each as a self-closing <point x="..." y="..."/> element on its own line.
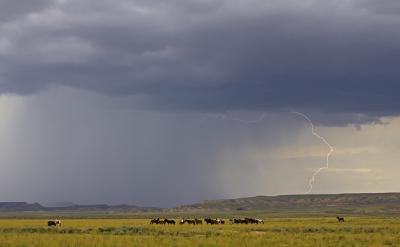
<point x="302" y="231"/>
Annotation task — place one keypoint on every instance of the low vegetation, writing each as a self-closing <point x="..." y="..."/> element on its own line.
<point x="301" y="231"/>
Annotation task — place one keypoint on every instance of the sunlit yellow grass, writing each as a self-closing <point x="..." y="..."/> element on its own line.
<point x="275" y="232"/>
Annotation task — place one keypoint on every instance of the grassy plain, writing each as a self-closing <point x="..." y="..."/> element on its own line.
<point x="299" y="231"/>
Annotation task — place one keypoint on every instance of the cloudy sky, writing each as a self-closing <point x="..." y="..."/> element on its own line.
<point x="155" y="102"/>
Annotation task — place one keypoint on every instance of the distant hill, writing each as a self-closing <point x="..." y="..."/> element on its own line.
<point x="362" y="203"/>
<point x="355" y="203"/>
<point x="24" y="206"/>
<point x="20" y="206"/>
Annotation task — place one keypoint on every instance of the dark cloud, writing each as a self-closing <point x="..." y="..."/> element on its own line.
<point x="64" y="144"/>
<point x="335" y="57"/>
<point x="12" y="9"/>
<point x="382" y="7"/>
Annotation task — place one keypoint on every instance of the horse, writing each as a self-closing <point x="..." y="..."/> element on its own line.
<point x="208" y="221"/>
<point x="198" y="221"/>
<point x="51" y="223"/>
<point x="219" y="221"/>
<point x="169" y="221"/>
<point x="236" y="221"/>
<point x="240" y="221"/>
<point x="54" y="222"/>
<point x="58" y="222"/>
<point x="340" y="219"/>
<point x="191" y="222"/>
<point x="211" y="221"/>
<point x="155" y="221"/>
<point x="251" y="221"/>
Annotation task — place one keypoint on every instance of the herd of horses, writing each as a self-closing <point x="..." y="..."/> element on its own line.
<point x="164" y="221"/>
<point x="195" y="221"/>
<point x="247" y="221"/>
<point x="215" y="221"/>
<point x="170" y="221"/>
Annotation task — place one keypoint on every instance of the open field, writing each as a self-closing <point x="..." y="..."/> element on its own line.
<point x="301" y="231"/>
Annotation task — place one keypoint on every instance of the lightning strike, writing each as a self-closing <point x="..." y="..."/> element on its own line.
<point x="331" y="149"/>
<point x="262" y="117"/>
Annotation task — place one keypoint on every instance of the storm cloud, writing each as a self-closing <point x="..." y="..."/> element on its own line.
<point x="338" y="57"/>
<point x="156" y="102"/>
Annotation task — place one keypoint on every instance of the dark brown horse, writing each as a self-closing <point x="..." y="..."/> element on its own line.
<point x="210" y="221"/>
<point x="51" y="223"/>
<point x="251" y="220"/>
<point x="169" y="221"/>
<point x="183" y="221"/>
<point x="54" y="223"/>
<point x="240" y="221"/>
<point x="340" y="219"/>
<point x="155" y="221"/>
<point x="190" y="222"/>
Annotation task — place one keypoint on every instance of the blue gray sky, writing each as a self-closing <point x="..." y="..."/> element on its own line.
<point x="138" y="101"/>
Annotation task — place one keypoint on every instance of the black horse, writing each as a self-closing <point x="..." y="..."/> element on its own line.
<point x="183" y="221"/>
<point x="190" y="222"/>
<point x="53" y="223"/>
<point x="240" y="221"/>
<point x="340" y="219"/>
<point x="251" y="220"/>
<point x="155" y="221"/>
<point x="210" y="221"/>
<point x="169" y="221"/>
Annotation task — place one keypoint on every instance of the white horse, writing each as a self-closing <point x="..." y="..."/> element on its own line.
<point x="260" y="221"/>
<point x="58" y="222"/>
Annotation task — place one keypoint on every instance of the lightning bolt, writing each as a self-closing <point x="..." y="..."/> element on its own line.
<point x="311" y="181"/>
<point x="331" y="149"/>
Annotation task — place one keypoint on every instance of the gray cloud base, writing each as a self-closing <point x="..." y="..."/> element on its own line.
<point x="337" y="57"/>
